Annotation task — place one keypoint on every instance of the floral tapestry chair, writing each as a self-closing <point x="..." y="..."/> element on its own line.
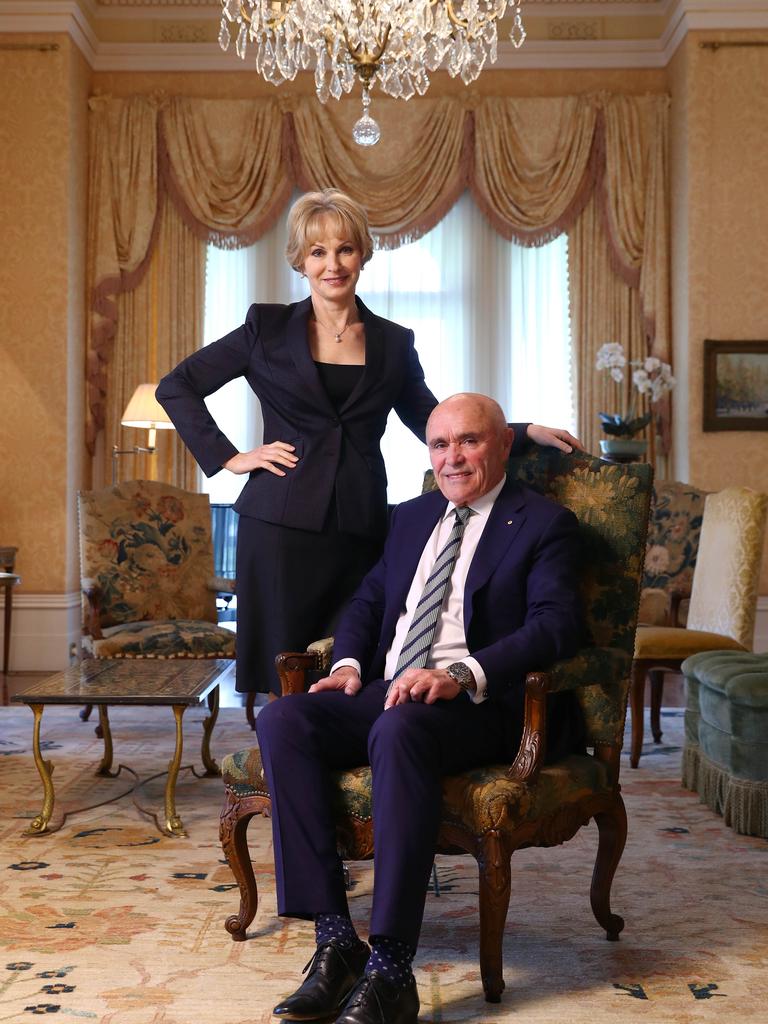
<point x="670" y="558"/>
<point x="723" y="602"/>
<point x="146" y="564"/>
<point x="670" y="555"/>
<point x="492" y="811"/>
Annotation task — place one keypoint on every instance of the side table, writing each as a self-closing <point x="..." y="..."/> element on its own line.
<point x="177" y="683"/>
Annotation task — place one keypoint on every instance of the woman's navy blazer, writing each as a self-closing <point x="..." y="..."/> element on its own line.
<point x="339" y="451"/>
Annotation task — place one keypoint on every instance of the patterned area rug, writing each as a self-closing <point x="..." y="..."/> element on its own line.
<point x="107" y="920"/>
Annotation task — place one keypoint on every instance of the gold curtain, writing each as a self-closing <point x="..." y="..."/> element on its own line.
<point x="635" y="194"/>
<point x="534" y="164"/>
<point x="593" y="165"/>
<point x="223" y="166"/>
<point x="158" y="323"/>
<point x="603" y="308"/>
<point x="122" y="212"/>
<point x="408" y="182"/>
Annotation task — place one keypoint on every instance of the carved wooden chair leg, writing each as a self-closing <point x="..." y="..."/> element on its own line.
<point x="637" y="702"/>
<point x="612" y="827"/>
<point x="656" y="677"/>
<point x="85" y="713"/>
<point x="233" y="829"/>
<point x="495" y="884"/>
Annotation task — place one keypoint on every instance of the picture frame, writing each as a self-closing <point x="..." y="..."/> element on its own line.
<point x="735" y="385"/>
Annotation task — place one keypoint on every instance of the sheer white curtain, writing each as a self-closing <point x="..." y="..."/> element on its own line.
<point x="488" y="316"/>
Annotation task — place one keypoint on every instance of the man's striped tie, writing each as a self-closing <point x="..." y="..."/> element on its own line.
<point x="421" y="632"/>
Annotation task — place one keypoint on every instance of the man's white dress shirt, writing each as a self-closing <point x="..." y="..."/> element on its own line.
<point x="450" y="642"/>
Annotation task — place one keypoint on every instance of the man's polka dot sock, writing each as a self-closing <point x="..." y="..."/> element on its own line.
<point x="392" y="959"/>
<point x="336" y="928"/>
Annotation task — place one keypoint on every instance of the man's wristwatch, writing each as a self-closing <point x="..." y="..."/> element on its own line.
<point x="463" y="675"/>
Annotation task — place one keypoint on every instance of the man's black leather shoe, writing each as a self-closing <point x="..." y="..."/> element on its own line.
<point x="374" y="1000"/>
<point x="332" y="976"/>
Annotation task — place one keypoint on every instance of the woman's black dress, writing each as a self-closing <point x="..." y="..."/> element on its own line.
<point x="291" y="583"/>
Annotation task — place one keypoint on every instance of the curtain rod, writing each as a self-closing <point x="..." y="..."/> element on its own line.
<point x="711" y="45"/>
<point x="39" y="47"/>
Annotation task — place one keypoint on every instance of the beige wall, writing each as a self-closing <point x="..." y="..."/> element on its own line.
<point x="720" y="242"/>
<point x="43" y="152"/>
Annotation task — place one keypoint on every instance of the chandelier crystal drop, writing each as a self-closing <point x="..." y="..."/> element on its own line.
<point x="392" y="43"/>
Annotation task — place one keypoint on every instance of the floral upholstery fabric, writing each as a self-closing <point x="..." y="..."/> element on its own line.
<point x="673" y="543"/>
<point x="476" y="801"/>
<point x="172" y="638"/>
<point x="147" y="548"/>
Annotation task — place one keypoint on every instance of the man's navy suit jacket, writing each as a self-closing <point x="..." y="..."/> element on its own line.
<point x="339" y="455"/>
<point x="522" y="609"/>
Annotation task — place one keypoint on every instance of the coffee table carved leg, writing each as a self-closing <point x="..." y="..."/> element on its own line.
<point x="173" y="823"/>
<point x="105" y="767"/>
<point x="39" y="824"/>
<point x="211" y="768"/>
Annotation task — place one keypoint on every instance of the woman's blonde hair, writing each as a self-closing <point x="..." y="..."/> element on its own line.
<point x="306" y="213"/>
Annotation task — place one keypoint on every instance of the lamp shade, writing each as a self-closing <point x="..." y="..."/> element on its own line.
<point x="144" y="410"/>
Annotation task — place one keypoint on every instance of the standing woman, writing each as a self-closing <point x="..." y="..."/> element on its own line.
<point x="327" y="371"/>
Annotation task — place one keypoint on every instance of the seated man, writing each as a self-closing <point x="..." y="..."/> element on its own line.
<point x="477" y="586"/>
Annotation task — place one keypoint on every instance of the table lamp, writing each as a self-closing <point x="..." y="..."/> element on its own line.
<point x="143" y="411"/>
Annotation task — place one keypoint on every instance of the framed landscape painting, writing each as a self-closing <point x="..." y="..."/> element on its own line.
<point x="735" y="385"/>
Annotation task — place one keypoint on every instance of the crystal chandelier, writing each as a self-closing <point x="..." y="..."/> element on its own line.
<point x="394" y="43"/>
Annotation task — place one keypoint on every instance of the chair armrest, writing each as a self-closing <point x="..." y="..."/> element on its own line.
<point x="221" y="585"/>
<point x="292" y="667"/>
<point x="589" y="666"/>
<point x="92" y="595"/>
<point x="323" y="648"/>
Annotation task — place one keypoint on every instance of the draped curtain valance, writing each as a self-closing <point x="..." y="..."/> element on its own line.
<point x="229" y="167"/>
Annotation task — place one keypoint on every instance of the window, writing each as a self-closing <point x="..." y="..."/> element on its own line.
<point x="488" y="316"/>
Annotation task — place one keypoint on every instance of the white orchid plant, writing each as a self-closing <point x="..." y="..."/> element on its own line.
<point x="651" y="380"/>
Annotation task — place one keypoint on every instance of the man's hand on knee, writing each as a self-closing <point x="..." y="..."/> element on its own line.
<point x="344" y="678"/>
<point x="425" y="685"/>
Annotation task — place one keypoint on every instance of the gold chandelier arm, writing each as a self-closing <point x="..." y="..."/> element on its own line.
<point x="361" y="57"/>
<point x="462" y="23"/>
<point x="275" y="21"/>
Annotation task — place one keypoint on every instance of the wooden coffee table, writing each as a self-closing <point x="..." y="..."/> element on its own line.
<point x="177" y="683"/>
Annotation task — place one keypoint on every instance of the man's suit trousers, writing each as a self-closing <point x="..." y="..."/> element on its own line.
<point x="305" y="737"/>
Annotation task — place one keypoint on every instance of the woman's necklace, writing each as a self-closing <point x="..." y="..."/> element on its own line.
<point x="336" y="334"/>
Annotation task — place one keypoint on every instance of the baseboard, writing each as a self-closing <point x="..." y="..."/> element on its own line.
<point x="44" y="629"/>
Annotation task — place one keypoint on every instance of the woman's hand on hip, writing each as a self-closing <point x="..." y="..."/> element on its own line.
<point x="267" y="456"/>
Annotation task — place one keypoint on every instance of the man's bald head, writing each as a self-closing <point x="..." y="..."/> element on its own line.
<point x="469" y="443"/>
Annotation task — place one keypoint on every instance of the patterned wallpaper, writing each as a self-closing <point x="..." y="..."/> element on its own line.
<point x="42" y="166"/>
<point x="727" y="257"/>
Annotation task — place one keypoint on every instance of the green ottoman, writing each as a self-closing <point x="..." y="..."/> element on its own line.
<point x="725" y="758"/>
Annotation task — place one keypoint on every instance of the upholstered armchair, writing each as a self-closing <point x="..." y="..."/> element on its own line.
<point x="723" y="603"/>
<point x="147" y="577"/>
<point x="492" y="811"/>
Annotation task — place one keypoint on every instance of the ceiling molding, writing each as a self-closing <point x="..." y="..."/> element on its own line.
<point x="65" y="17"/>
<point x="74" y="17"/>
